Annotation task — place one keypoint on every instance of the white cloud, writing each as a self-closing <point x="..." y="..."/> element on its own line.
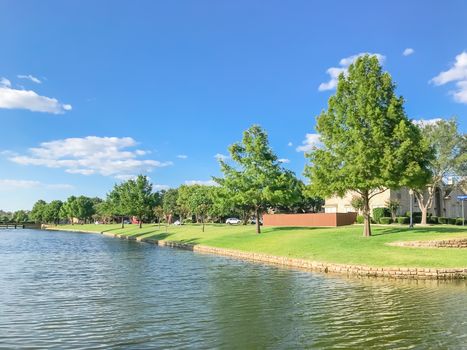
<point x="201" y="182"/>
<point x="4" y="82"/>
<point x="344" y="63"/>
<point x="159" y="187"/>
<point x="222" y="157"/>
<point x="311" y="141"/>
<point x="408" y="51"/>
<point x="290" y="144"/>
<point x="182" y="156"/>
<point x="424" y="122"/>
<point x="29" y="77"/>
<point x="283" y="160"/>
<point x="107" y="156"/>
<point x="12" y="185"/>
<point x="28" y="99"/>
<point x="458" y="74"/>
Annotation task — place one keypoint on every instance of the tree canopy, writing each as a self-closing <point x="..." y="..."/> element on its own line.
<point x="449" y="160"/>
<point x="368" y="142"/>
<point x="256" y="179"/>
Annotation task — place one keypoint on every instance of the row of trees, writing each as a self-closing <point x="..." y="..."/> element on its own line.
<point x="81" y="208"/>
<point x="252" y="183"/>
<point x="16" y="217"/>
<point x="368" y="145"/>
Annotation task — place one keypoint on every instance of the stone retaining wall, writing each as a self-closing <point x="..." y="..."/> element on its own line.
<point x="355" y="270"/>
<point x="452" y="243"/>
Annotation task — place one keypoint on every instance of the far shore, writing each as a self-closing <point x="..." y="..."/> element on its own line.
<point x="337" y="250"/>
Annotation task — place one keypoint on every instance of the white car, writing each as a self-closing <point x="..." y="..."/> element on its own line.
<point x="233" y="221"/>
<point x="177" y="223"/>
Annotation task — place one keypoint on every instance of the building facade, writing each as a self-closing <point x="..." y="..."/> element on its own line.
<point x="445" y="202"/>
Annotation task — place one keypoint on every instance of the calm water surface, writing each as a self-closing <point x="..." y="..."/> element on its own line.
<point x="79" y="291"/>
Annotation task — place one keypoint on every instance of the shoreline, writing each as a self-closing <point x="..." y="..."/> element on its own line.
<point x="303" y="264"/>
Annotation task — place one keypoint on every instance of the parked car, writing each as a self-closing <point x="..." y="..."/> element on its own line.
<point x="127" y="222"/>
<point x="233" y="221"/>
<point x="253" y="221"/>
<point x="177" y="223"/>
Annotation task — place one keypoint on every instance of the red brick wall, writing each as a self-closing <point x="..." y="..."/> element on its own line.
<point x="319" y="219"/>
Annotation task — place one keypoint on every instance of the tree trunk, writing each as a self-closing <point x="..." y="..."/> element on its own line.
<point x="140" y="222"/>
<point x="202" y="220"/>
<point x="424" y="216"/>
<point x="258" y="226"/>
<point x="424" y="205"/>
<point x="123" y="223"/>
<point x="366" y="215"/>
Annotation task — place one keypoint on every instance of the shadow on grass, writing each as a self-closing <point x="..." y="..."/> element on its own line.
<point x="293" y="228"/>
<point x="379" y="231"/>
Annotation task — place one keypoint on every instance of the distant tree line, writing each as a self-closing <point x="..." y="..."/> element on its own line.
<point x="254" y="182"/>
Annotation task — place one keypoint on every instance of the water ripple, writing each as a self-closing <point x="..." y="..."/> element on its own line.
<point x="80" y="291"/>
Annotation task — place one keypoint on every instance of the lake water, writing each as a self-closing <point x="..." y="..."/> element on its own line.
<point x="79" y="291"/>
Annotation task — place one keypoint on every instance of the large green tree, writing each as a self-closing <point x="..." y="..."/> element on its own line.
<point x="169" y="204"/>
<point x="368" y="143"/>
<point x="450" y="159"/>
<point x="256" y="179"/>
<point x="137" y="197"/>
<point x="52" y="211"/>
<point x="38" y="211"/>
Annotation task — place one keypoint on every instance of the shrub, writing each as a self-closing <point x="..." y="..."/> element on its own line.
<point x="459" y="221"/>
<point x="360" y="219"/>
<point x="443" y="220"/>
<point x="378" y="213"/>
<point x="416" y="217"/>
<point x="433" y="220"/>
<point x="385" y="220"/>
<point x="403" y="220"/>
<point x="451" y="221"/>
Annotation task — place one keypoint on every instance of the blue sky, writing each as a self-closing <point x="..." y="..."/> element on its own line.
<point x="92" y="92"/>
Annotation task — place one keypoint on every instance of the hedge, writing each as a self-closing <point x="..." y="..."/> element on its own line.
<point x="403" y="219"/>
<point x="416" y="216"/>
<point x="385" y="220"/>
<point x="459" y="221"/>
<point x="360" y="219"/>
<point x="443" y="220"/>
<point x="433" y="220"/>
<point x="451" y="221"/>
<point x="378" y="213"/>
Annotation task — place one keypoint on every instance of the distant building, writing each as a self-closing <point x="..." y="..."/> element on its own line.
<point x="445" y="202"/>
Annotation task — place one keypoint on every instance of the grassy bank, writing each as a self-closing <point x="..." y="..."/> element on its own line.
<point x="333" y="245"/>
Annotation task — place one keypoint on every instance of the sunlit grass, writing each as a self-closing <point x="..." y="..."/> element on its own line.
<point x="339" y="245"/>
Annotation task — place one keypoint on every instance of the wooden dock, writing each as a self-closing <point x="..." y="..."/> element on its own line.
<point x="22" y="225"/>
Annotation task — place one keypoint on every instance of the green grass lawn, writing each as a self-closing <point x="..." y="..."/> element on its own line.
<point x="338" y="245"/>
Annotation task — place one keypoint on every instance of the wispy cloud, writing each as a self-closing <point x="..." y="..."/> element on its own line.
<point x="458" y="74"/>
<point x="182" y="156"/>
<point x="408" y="51"/>
<point x="107" y="156"/>
<point x="159" y="187"/>
<point x="311" y="141"/>
<point x="290" y="144"/>
<point x="283" y="160"/>
<point x="4" y="82"/>
<point x="30" y="77"/>
<point x="220" y="156"/>
<point x="13" y="185"/>
<point x="201" y="182"/>
<point x="27" y="99"/>
<point x="344" y="64"/>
